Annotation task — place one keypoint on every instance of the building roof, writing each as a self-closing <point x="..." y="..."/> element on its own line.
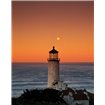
<point x="53" y="50"/>
<point x="78" y="95"/>
<point x="66" y="92"/>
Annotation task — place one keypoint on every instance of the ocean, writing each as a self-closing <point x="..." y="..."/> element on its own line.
<point x="34" y="75"/>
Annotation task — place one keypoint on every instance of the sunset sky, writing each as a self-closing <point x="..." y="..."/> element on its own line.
<point x="36" y="26"/>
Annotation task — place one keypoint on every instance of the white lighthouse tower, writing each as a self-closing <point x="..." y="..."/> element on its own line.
<point x="53" y="67"/>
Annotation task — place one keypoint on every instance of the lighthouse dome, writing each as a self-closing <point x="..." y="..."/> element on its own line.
<point x="53" y="50"/>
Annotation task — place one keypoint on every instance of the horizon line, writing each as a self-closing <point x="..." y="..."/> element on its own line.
<point x="47" y="62"/>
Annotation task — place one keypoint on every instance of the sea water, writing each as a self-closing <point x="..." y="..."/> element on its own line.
<point x="34" y="75"/>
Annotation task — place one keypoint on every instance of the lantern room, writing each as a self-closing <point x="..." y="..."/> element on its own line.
<point x="53" y="54"/>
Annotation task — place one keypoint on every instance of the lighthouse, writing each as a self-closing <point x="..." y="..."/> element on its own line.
<point x="53" y="67"/>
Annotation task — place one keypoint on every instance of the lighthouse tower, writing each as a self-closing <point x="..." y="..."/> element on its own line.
<point x="53" y="67"/>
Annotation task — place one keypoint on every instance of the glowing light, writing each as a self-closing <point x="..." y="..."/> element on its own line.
<point x="58" y="38"/>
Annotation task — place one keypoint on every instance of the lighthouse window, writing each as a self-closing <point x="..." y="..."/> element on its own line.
<point x="53" y="56"/>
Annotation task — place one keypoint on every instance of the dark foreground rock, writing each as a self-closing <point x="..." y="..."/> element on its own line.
<point x="39" y="97"/>
<point x="44" y="97"/>
<point x="91" y="98"/>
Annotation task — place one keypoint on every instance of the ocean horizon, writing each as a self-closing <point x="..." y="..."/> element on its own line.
<point x="30" y="75"/>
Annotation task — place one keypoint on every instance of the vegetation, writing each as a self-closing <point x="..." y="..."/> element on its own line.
<point x="39" y="97"/>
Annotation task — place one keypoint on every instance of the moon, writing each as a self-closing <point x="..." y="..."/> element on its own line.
<point x="58" y="38"/>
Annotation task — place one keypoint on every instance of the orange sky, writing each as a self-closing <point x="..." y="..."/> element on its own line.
<point x="36" y="26"/>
